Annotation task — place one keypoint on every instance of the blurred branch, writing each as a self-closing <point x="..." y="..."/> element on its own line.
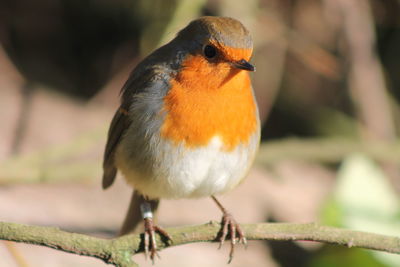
<point x="61" y="164"/>
<point x="57" y="163"/>
<point x="326" y="150"/>
<point x="270" y="42"/>
<point x="184" y="12"/>
<point x="312" y="54"/>
<point x="118" y="251"/>
<point x="164" y="19"/>
<point x="274" y="39"/>
<point x="16" y="254"/>
<point x="366" y="78"/>
<point x="367" y="83"/>
<point x="23" y="117"/>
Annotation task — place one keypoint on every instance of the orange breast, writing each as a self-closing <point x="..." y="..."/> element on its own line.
<point x="206" y="100"/>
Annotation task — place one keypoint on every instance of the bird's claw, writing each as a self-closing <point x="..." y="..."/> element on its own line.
<point x="150" y="244"/>
<point x="231" y="227"/>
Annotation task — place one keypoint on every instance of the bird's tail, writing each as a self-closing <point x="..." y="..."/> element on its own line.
<point x="133" y="218"/>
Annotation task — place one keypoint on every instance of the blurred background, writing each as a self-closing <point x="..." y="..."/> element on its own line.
<point x="328" y="89"/>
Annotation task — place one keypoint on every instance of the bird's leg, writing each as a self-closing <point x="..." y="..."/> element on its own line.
<point x="231" y="227"/>
<point x="150" y="244"/>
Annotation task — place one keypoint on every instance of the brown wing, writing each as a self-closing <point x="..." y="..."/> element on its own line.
<point x="150" y="75"/>
<point x="137" y="83"/>
<point x="119" y="125"/>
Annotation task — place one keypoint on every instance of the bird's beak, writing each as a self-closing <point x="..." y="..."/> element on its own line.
<point x="243" y="65"/>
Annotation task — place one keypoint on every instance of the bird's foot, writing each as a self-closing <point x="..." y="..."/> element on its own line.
<point x="150" y="244"/>
<point x="229" y="227"/>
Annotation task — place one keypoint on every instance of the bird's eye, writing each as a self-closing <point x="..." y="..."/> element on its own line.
<point x="209" y="51"/>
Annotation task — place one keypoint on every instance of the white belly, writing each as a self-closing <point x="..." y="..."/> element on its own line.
<point x="181" y="172"/>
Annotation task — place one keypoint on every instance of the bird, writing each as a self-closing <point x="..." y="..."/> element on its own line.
<point x="187" y="125"/>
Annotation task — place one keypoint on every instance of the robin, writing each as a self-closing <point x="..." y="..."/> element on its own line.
<point x="187" y="126"/>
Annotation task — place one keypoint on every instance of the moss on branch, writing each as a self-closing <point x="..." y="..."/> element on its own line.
<point x="118" y="251"/>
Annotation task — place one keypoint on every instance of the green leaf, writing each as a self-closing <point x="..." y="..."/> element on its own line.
<point x="333" y="256"/>
<point x="365" y="200"/>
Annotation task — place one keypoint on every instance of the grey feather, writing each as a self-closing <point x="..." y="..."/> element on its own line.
<point x="141" y="101"/>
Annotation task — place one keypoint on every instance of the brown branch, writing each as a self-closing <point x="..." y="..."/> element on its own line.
<point x="119" y="251"/>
